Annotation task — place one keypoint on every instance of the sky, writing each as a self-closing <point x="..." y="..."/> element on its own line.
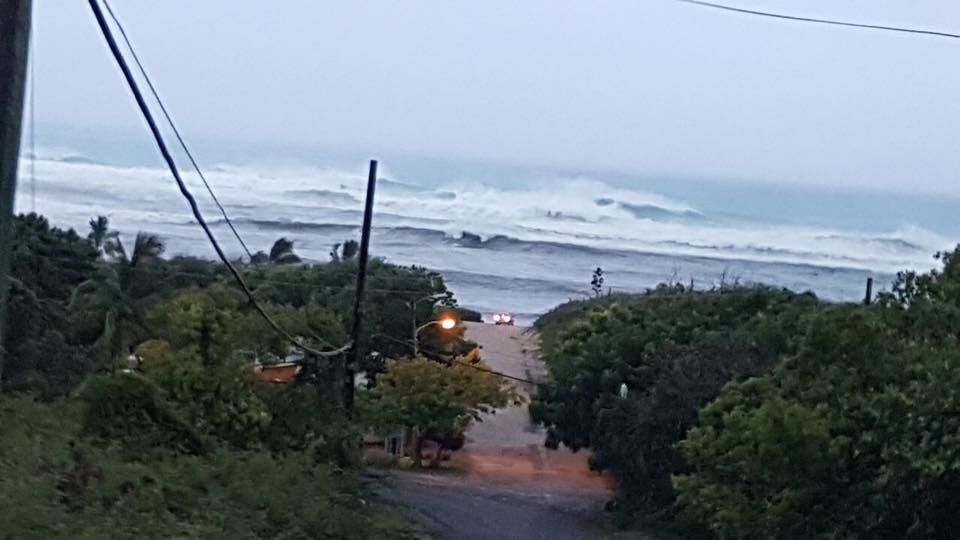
<point x="644" y="86"/>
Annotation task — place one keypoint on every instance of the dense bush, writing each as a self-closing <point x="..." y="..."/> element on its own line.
<point x="55" y="484"/>
<point x="674" y="350"/>
<point x="130" y="412"/>
<point x="47" y="263"/>
<point x="856" y="436"/>
<point x="299" y="415"/>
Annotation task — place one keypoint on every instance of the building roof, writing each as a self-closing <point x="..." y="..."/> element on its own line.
<point x="277" y="373"/>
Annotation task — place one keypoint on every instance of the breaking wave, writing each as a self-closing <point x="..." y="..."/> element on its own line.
<point x="574" y="215"/>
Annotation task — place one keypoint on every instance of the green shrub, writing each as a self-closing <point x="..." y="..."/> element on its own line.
<point x="219" y="400"/>
<point x="674" y="350"/>
<point x="300" y="417"/>
<point x="130" y="411"/>
<point x="55" y="484"/>
<point x="856" y="436"/>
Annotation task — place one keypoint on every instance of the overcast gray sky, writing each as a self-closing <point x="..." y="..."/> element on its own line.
<point x="650" y="86"/>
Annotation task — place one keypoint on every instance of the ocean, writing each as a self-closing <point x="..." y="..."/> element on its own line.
<point x="519" y="238"/>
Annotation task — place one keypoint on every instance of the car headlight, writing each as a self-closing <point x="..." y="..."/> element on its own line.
<point x="496" y="317"/>
<point x="506" y="318"/>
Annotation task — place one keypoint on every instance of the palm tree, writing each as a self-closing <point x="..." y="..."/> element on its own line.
<point x="344" y="251"/>
<point x="350" y="249"/>
<point x="109" y="308"/>
<point x="100" y="234"/>
<point x="282" y="252"/>
<point x="146" y="247"/>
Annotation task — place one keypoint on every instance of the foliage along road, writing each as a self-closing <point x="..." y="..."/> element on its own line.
<point x="506" y="484"/>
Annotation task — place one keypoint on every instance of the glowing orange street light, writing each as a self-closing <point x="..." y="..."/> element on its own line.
<point x="447" y="323"/>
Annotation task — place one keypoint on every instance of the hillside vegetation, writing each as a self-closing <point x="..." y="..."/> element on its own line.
<point x="750" y="412"/>
<point x="129" y="404"/>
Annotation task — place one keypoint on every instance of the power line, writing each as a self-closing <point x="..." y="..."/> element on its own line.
<point x="33" y="123"/>
<point x="819" y="21"/>
<point x="495" y="372"/>
<point x="465" y="364"/>
<point x="194" y="208"/>
<point x="176" y="132"/>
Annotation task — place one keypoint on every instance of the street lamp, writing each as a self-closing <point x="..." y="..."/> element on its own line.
<point x="412" y="304"/>
<point x="446" y="323"/>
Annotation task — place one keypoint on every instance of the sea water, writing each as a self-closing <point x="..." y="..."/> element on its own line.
<point x="520" y="238"/>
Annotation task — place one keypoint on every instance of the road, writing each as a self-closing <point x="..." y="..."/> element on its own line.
<point x="504" y="484"/>
<point x="454" y="506"/>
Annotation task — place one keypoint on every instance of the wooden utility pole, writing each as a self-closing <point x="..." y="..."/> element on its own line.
<point x="14" y="45"/>
<point x="868" y="298"/>
<point x="352" y="360"/>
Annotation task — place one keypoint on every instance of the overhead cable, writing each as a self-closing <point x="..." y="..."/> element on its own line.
<point x="796" y="18"/>
<point x="173" y="126"/>
<point x="194" y="208"/>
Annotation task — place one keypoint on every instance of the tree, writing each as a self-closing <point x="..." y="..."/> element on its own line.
<point x="432" y="399"/>
<point x="387" y="317"/>
<point x="282" y="252"/>
<point x="345" y="251"/>
<point x="108" y="309"/>
<point x="193" y="358"/>
<point x="47" y="264"/>
<point x="350" y="249"/>
<point x="674" y="350"/>
<point x="855" y="436"/>
<point x="100" y="236"/>
<point x="596" y="283"/>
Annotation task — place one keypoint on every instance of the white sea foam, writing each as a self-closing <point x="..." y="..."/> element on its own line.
<point x="578" y="212"/>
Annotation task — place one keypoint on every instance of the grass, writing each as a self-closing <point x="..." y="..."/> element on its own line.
<point x="54" y="483"/>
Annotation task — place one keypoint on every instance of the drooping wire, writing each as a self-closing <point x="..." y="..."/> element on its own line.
<point x="194" y="208"/>
<point x="453" y="361"/>
<point x="173" y="127"/>
<point x="796" y="18"/>
<point x="495" y="372"/>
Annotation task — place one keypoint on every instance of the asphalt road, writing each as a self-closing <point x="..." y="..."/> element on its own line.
<point x="506" y="484"/>
<point x="457" y="507"/>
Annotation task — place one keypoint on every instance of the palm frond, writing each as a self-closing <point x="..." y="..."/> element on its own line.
<point x="147" y="246"/>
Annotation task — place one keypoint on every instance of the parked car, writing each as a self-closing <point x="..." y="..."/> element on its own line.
<point x="502" y="317"/>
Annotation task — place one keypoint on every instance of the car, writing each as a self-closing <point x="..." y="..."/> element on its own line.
<point x="502" y="317"/>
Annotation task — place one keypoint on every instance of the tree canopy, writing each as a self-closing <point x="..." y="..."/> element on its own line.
<point x="856" y="435"/>
<point x="431" y="398"/>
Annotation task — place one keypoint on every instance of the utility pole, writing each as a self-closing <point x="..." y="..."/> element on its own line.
<point x="352" y="360"/>
<point x="868" y="298"/>
<point x="14" y="45"/>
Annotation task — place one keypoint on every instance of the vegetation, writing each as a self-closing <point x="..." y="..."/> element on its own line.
<point x="433" y="400"/>
<point x="672" y="350"/>
<point x="857" y="435"/>
<point x="80" y="305"/>
<point x="596" y="282"/>
<point x="150" y="421"/>
<point x="748" y="412"/>
<point x="57" y="483"/>
<point x="130" y="407"/>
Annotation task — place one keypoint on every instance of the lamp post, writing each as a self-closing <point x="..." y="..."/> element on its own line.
<point x="446" y="323"/>
<point x="412" y="304"/>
